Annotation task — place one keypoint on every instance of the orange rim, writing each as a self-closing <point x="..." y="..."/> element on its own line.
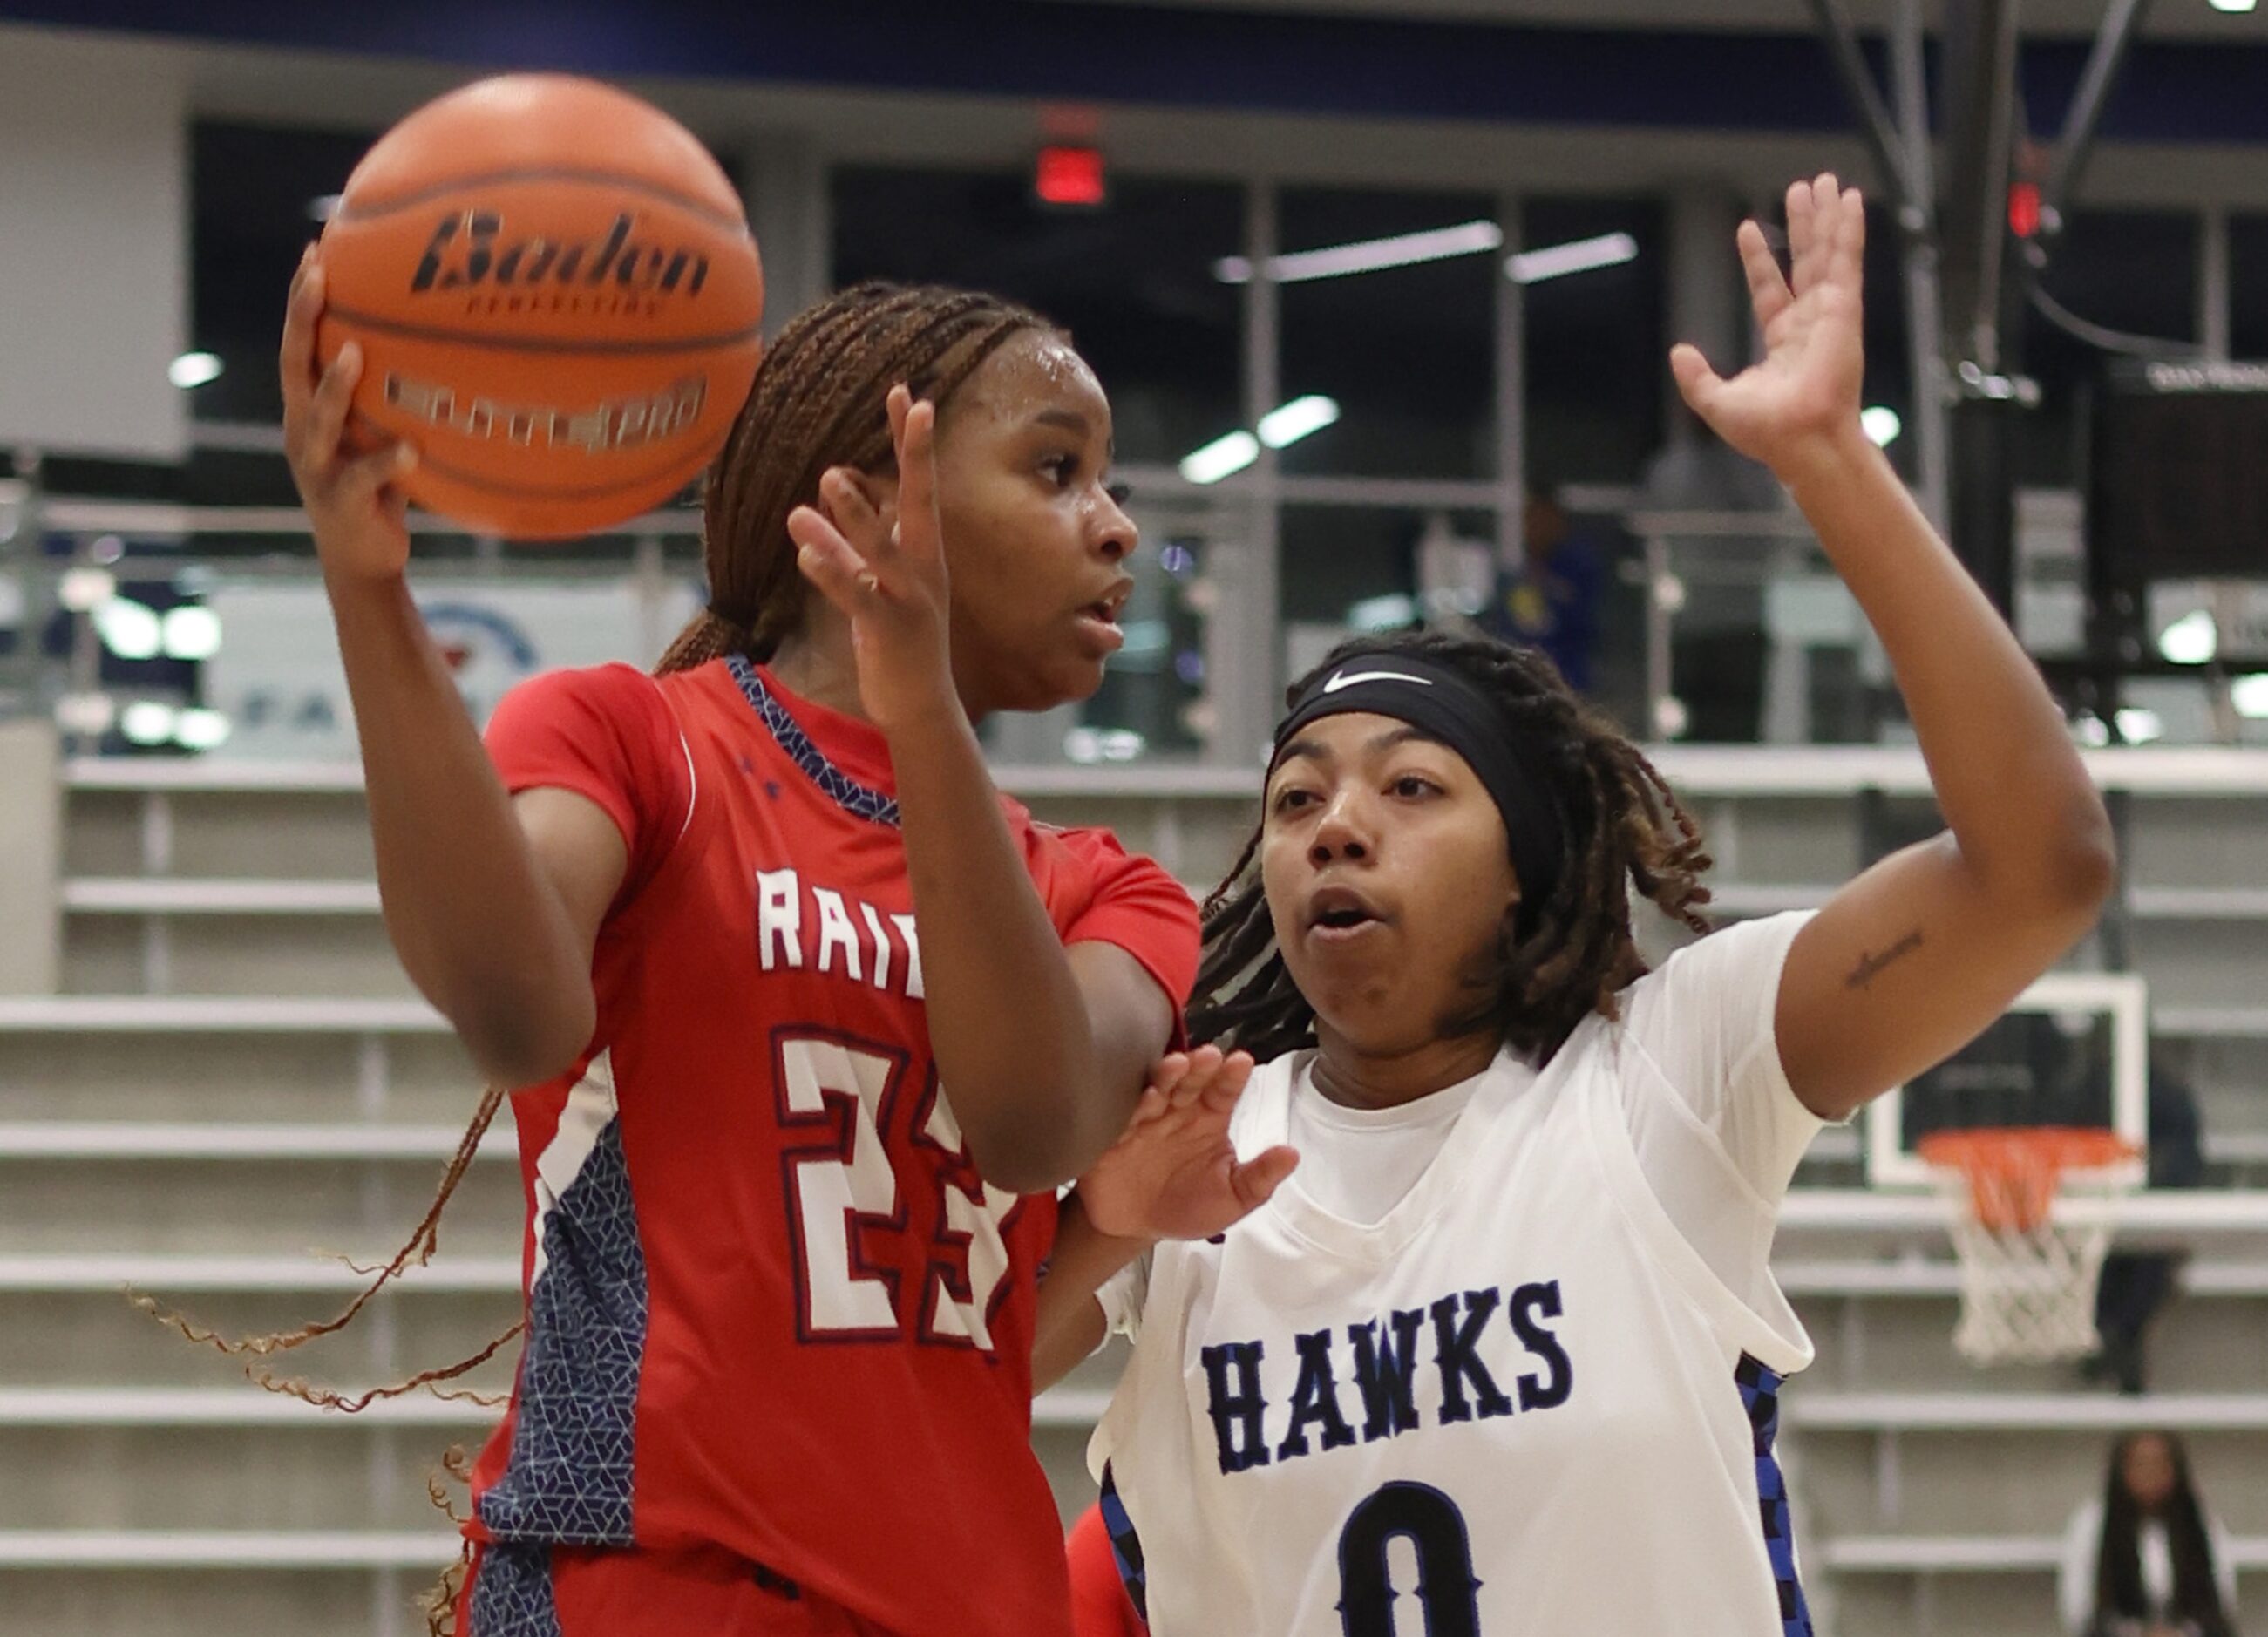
<point x="2014" y="1171"/>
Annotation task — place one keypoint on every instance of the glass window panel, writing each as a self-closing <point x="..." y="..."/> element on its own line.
<point x="1350" y="568"/>
<point x="1597" y="352"/>
<point x="252" y="190"/>
<point x="1408" y="353"/>
<point x="1133" y="280"/>
<point x="2247" y="286"/>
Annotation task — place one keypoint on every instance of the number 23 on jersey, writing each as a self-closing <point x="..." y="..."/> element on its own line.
<point x="841" y="1185"/>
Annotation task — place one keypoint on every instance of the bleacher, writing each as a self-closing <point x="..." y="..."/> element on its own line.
<point x="235" y="1076"/>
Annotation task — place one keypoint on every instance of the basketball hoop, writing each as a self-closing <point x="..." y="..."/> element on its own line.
<point x="2028" y="1281"/>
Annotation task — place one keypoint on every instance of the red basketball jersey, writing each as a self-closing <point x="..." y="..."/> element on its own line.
<point x="771" y="1304"/>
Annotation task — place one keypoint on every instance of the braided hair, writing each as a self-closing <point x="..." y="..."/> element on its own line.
<point x="817" y="402"/>
<point x="1621" y="826"/>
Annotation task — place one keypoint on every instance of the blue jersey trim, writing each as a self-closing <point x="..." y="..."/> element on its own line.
<point x="1760" y="1397"/>
<point x="1125" y="1545"/>
<point x="511" y="1591"/>
<point x="569" y="1478"/>
<point x="858" y="800"/>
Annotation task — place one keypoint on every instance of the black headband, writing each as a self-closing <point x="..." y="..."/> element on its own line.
<point x="1446" y="704"/>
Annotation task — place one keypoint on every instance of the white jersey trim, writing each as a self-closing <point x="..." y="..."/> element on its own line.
<point x="590" y="1109"/>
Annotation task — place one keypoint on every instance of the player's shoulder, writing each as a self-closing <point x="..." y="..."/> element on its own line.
<point x="613" y="690"/>
<point x="1731" y="953"/>
<point x="1088" y="855"/>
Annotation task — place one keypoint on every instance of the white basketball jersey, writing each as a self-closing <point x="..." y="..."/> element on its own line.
<point x="1520" y="1406"/>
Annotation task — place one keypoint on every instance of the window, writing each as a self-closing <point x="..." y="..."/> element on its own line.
<point x="2134" y="272"/>
<point x="1597" y="349"/>
<point x="1133" y="280"/>
<point x="1409" y="352"/>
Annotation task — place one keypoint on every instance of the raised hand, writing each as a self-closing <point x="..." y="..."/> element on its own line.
<point x="352" y="501"/>
<point x="1174" y="1175"/>
<point x="883" y="566"/>
<point x="1803" y="395"/>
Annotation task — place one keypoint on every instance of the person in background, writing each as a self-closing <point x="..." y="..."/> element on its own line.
<point x="2145" y="1561"/>
<point x="2136" y="1285"/>
<point x="1551" y="601"/>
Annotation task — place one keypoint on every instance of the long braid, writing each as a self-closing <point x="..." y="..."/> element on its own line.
<point x="1623" y="827"/>
<point x="416" y="1251"/>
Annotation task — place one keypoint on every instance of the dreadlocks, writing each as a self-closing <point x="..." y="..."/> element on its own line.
<point x="817" y="402"/>
<point x="1621" y="826"/>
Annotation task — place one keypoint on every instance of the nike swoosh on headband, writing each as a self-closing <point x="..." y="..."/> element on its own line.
<point x="1348" y="678"/>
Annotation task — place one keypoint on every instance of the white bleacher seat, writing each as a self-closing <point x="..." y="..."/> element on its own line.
<point x="214" y="1014"/>
<point x="1974" y="1553"/>
<point x="231" y="1549"/>
<point x="166" y="1275"/>
<point x="341" y="1140"/>
<point x="160" y="894"/>
<point x="2027" y="1412"/>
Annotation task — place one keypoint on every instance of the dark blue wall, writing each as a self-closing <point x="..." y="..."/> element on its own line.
<point x="2170" y="92"/>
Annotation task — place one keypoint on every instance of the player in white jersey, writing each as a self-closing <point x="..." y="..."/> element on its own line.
<point x="1502" y="1357"/>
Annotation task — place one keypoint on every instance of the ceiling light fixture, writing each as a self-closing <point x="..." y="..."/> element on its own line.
<point x="1368" y="255"/>
<point x="1581" y="255"/>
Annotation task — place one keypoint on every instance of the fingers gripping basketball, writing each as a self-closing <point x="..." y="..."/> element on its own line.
<point x="556" y="297"/>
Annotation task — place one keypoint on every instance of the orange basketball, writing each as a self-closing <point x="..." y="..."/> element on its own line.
<point x="557" y="295"/>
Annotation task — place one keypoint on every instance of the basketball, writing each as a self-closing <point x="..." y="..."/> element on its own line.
<point x="556" y="296"/>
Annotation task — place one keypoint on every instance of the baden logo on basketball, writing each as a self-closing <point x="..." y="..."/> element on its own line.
<point x="468" y="250"/>
<point x="556" y="299"/>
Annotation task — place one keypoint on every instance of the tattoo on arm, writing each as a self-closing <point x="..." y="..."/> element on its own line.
<point x="1871" y="965"/>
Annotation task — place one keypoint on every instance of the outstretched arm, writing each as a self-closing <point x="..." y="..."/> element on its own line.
<point x="1914" y="958"/>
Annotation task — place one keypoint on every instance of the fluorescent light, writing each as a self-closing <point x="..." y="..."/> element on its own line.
<point x="1391" y="612"/>
<point x="1221" y="457"/>
<point x="128" y="629"/>
<point x="1090" y="745"/>
<point x="1288" y="423"/>
<point x="1882" y="425"/>
<point x="88" y="713"/>
<point x="147" y="722"/>
<point x="200" y="729"/>
<point x="1368" y="255"/>
<point x="83" y="589"/>
<point x="190" y="632"/>
<point x="2232" y="5"/>
<point x="2192" y="640"/>
<point x="1533" y="267"/>
<point x="2249" y="696"/>
<point x="194" y="369"/>
<point x="2138" y="726"/>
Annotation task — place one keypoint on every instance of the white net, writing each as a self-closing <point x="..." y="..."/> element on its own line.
<point x="2028" y="1270"/>
<point x="2026" y="1294"/>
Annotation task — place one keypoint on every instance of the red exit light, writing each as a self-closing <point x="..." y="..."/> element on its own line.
<point x="1069" y="176"/>
<point x="2024" y="210"/>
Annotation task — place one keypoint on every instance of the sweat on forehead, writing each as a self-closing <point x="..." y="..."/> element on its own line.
<point x="1033" y="371"/>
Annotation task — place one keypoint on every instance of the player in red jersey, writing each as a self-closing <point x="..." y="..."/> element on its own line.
<point x="727" y="929"/>
<point x="1100" y="1605"/>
